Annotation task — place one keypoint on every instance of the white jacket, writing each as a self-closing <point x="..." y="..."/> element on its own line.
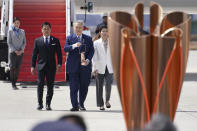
<point x="101" y="59"/>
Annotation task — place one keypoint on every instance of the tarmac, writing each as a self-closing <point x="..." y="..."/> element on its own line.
<point x="18" y="107"/>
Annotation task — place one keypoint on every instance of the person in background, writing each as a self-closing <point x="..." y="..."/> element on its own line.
<point x="75" y="119"/>
<point x="160" y="122"/>
<point x="56" y="126"/>
<point x="16" y="43"/>
<point x="104" y="23"/>
<point x="79" y="65"/>
<point x="45" y="48"/>
<point x="102" y="68"/>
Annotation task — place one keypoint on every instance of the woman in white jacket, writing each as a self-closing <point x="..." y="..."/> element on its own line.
<point x="102" y="68"/>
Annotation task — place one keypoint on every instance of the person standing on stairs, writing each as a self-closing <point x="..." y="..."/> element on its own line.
<point x="45" y="48"/>
<point x="16" y="43"/>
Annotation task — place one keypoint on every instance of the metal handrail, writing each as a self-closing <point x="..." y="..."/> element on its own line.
<point x="68" y="24"/>
<point x="4" y="18"/>
<point x="11" y="10"/>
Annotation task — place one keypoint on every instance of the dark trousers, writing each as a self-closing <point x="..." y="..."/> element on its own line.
<point x="79" y="83"/>
<point x="99" y="87"/>
<point x="15" y="63"/>
<point x="50" y="76"/>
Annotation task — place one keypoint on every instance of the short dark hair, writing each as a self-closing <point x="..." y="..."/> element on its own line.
<point x="102" y="27"/>
<point x="78" y="120"/>
<point x="16" y="19"/>
<point x="104" y="17"/>
<point x="46" y="23"/>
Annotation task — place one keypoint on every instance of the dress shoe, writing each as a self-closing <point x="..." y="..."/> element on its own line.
<point x="102" y="108"/>
<point x="108" y="104"/>
<point x="39" y="107"/>
<point x="82" y="108"/>
<point x="48" y="107"/>
<point x="14" y="87"/>
<point x="74" y="109"/>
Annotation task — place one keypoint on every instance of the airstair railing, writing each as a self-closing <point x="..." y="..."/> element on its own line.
<point x="4" y="18"/>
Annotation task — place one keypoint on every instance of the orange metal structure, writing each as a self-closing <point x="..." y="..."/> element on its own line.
<point x="149" y="68"/>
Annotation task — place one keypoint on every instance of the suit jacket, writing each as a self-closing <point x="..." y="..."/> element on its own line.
<point x="16" y="41"/>
<point x="46" y="54"/>
<point x="101" y="58"/>
<point x="73" y="63"/>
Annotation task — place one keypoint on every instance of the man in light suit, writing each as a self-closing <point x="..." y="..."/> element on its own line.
<point x="45" y="49"/>
<point x="103" y="68"/>
<point x="78" y="65"/>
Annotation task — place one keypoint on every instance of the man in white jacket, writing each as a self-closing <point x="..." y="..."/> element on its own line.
<point x="102" y="68"/>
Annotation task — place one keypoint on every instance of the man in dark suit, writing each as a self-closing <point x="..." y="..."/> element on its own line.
<point x="79" y="66"/>
<point x="45" y="48"/>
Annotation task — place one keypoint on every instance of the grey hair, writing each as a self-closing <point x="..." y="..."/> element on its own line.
<point x="78" y="22"/>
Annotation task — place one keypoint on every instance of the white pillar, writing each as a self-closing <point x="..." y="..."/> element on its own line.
<point x="68" y="24"/>
<point x="70" y="16"/>
<point x="11" y="6"/>
<point x="4" y="18"/>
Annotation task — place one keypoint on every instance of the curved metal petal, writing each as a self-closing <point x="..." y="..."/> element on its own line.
<point x="118" y="20"/>
<point x="155" y="16"/>
<point x="163" y="53"/>
<point x="139" y="13"/>
<point x="183" y="21"/>
<point x="133" y="90"/>
<point x="171" y="82"/>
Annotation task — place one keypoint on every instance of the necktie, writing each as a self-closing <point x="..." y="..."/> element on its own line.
<point x="78" y="38"/>
<point x="47" y="42"/>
